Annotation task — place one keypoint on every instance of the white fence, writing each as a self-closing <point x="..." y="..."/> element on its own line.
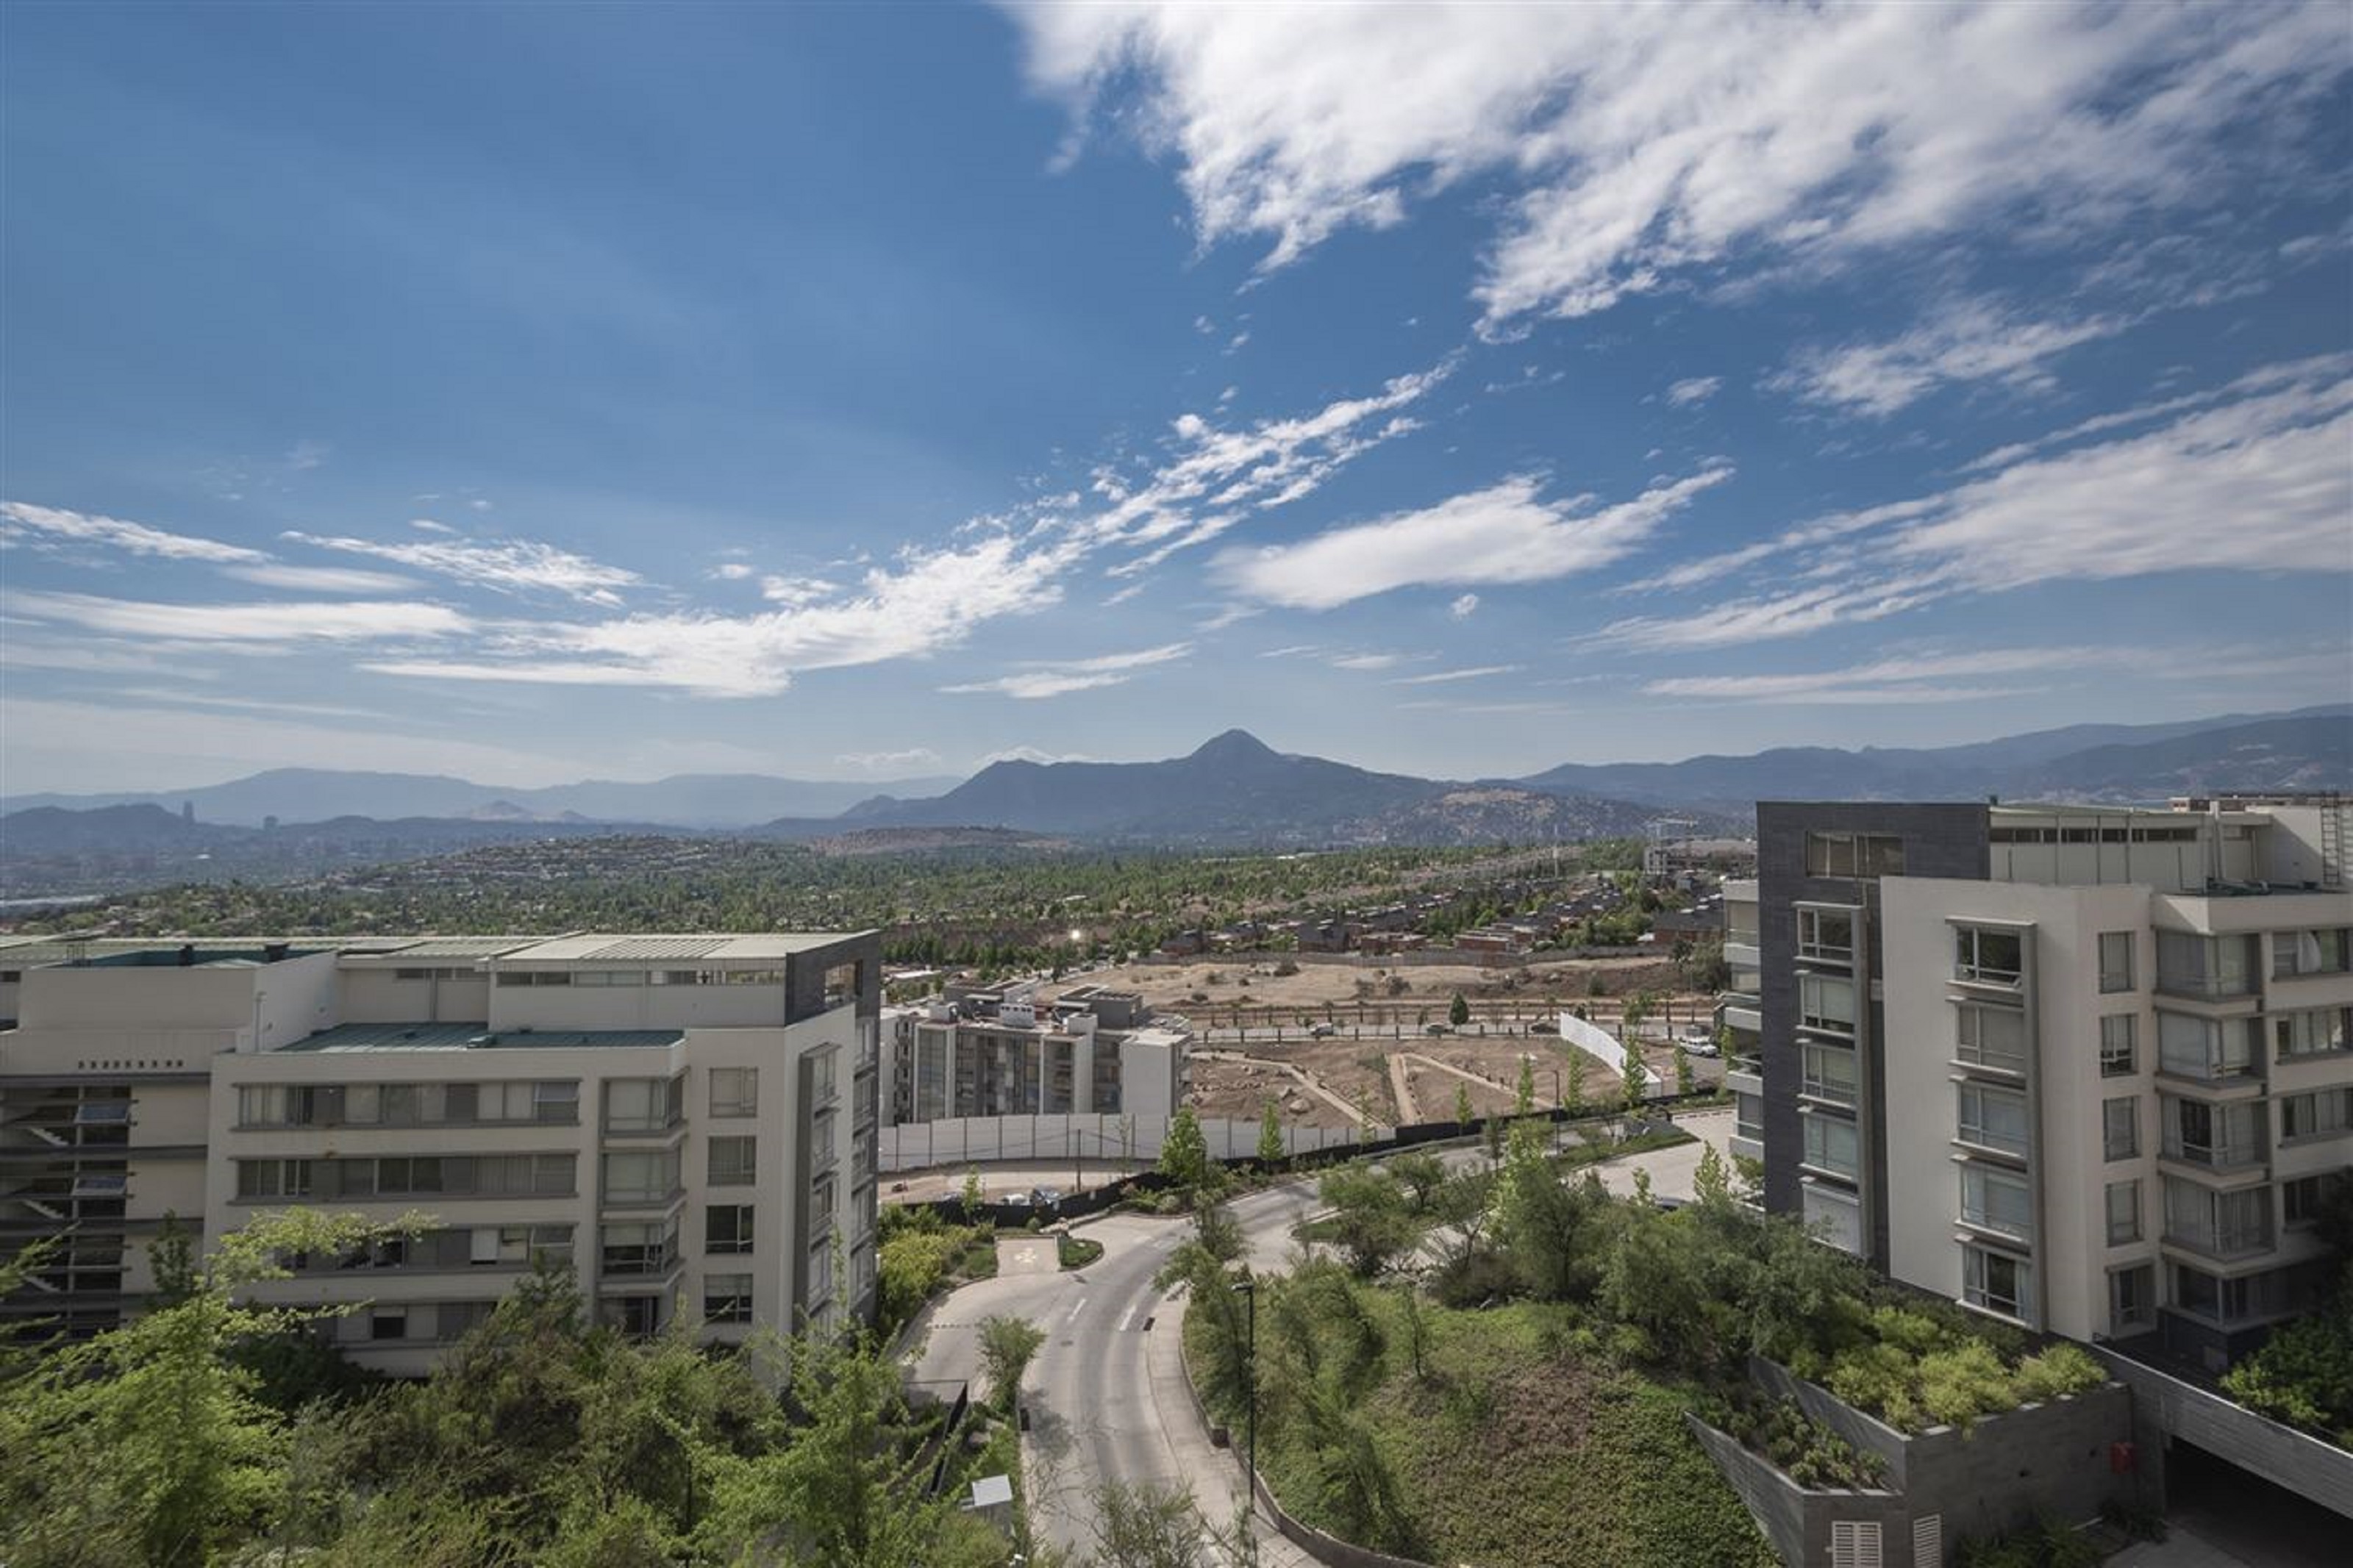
<point x="1595" y="1041"/>
<point x="1131" y="1140"/>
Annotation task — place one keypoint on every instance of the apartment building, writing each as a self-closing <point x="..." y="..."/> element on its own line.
<point x="1010" y="1051"/>
<point x="2088" y="1069"/>
<point x="687" y="1121"/>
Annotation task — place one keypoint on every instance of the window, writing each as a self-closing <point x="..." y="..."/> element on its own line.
<point x="727" y="1227"/>
<point x="2116" y="961"/>
<point x="259" y="1179"/>
<point x="2220" y="1136"/>
<point x="2189" y="964"/>
<point x="1826" y="1002"/>
<point x="2224" y="1224"/>
<point x="638" y="1247"/>
<point x="387" y="1322"/>
<point x="2306" y="1200"/>
<point x="840" y="985"/>
<point x="2117" y="1044"/>
<point x="2132" y="1299"/>
<point x="1995" y="1280"/>
<point x="733" y="1161"/>
<point x="822" y="1154"/>
<point x="1826" y="934"/>
<point x="642" y="1104"/>
<point x="2315" y="1033"/>
<point x="1993" y="1118"/>
<point x="638" y="1317"/>
<point x="528" y="1243"/>
<point x="2308" y="952"/>
<point x="2321" y="1113"/>
<point x="2208" y="1048"/>
<point x="1829" y="1072"/>
<point x="1992" y="1036"/>
<point x="727" y="1299"/>
<point x="1853" y="854"/>
<point x="734" y="1091"/>
<point x="2123" y="1212"/>
<point x="1988" y="957"/>
<point x="1831" y="1144"/>
<point x="1997" y="1200"/>
<point x="2119" y="1128"/>
<point x="1748" y="1116"/>
<point x="553" y="1102"/>
<point x="633" y="1177"/>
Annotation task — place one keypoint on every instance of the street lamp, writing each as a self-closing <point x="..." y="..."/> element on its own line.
<point x="1248" y="1288"/>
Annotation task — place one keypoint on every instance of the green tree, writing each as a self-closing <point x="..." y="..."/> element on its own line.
<point x="1709" y="1182"/>
<point x="1371" y="1217"/>
<point x="1524" y="1097"/>
<point x="1458" y="1012"/>
<point x="1463" y="1112"/>
<point x="1573" y="1086"/>
<point x="1631" y="1078"/>
<point x="1270" y="1137"/>
<point x="1184" y="1153"/>
<point x="971" y="1197"/>
<point x="1422" y="1176"/>
<point x="1007" y="1344"/>
<point x="1685" y="1082"/>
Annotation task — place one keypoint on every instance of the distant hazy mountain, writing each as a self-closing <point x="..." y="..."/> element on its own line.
<point x="2311" y="748"/>
<point x="1237" y="789"/>
<point x="687" y="800"/>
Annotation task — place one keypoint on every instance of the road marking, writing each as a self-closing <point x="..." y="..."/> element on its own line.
<point x="1080" y="1307"/>
<point x="1128" y="1317"/>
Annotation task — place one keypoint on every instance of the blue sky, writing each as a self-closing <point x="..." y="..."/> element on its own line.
<point x="536" y="393"/>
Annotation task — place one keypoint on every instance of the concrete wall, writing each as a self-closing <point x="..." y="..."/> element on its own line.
<point x="2320" y="1472"/>
<point x="1099" y="1140"/>
<point x="1797" y="1521"/>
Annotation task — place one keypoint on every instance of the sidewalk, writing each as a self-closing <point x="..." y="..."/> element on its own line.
<point x="1217" y="1471"/>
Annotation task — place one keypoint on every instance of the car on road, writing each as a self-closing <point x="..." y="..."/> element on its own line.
<point x="1436" y="1030"/>
<point x="1322" y="1031"/>
<point x="1699" y="1042"/>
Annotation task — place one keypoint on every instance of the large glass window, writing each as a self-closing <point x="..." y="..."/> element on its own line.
<point x="2117" y="1044"/>
<point x="734" y="1091"/>
<point x="727" y="1229"/>
<point x="733" y="1161"/>
<point x="1995" y="1280"/>
<point x="1989" y="956"/>
<point x="1829" y="1072"/>
<point x="2320" y="952"/>
<point x="1997" y="1200"/>
<point x="2321" y="1113"/>
<point x="1826" y="935"/>
<point x="2116" y="961"/>
<point x="636" y="1176"/>
<point x="1992" y="1036"/>
<point x="2196" y="1047"/>
<point x="2120" y="1128"/>
<point x="2124" y="1211"/>
<point x="1826" y="1002"/>
<point x="2306" y="1200"/>
<point x="2312" y="1033"/>
<point x="1853" y="854"/>
<point x="1748" y="1116"/>
<point x="1831" y="1144"/>
<point x="2132" y="1299"/>
<point x="643" y="1104"/>
<point x="1993" y="1118"/>
<point x="2221" y="1136"/>
<point x="2224" y="1224"/>
<point x="638" y="1247"/>
<point x="727" y="1299"/>
<point x="2189" y="964"/>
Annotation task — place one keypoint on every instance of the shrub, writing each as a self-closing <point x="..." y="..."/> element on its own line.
<point x="2061" y="1369"/>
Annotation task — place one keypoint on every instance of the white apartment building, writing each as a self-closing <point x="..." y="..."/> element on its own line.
<point x="687" y="1121"/>
<point x="2100" y="1084"/>
<point x="1010" y="1052"/>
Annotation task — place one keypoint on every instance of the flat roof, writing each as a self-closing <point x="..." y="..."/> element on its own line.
<point x="441" y="950"/>
<point x="474" y="1037"/>
<point x="718" y="947"/>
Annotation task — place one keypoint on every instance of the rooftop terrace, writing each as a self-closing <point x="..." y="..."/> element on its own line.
<point x="476" y="1038"/>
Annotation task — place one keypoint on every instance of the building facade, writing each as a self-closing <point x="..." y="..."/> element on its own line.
<point x="2090" y="1070"/>
<point x="687" y="1121"/>
<point x="1009" y="1051"/>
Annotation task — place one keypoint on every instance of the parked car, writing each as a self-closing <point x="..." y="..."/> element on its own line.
<point x="1435" y="1029"/>
<point x="1698" y="1042"/>
<point x="1322" y="1031"/>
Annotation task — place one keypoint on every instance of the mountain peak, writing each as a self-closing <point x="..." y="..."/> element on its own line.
<point x="1234" y="746"/>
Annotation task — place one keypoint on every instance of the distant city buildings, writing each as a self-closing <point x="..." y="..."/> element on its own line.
<point x="2087" y="1070"/>
<point x="687" y="1121"/>
<point x="1010" y="1051"/>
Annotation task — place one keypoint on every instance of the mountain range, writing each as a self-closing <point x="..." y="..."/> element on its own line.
<point x="1233" y="791"/>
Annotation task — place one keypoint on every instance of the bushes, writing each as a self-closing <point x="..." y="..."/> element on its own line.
<point x="1807" y="1452"/>
<point x="919" y="1254"/>
<point x="2303" y="1374"/>
<point x="1915" y="1372"/>
<point x="2045" y="1543"/>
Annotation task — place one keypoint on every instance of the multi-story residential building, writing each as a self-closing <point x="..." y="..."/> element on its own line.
<point x="687" y="1121"/>
<point x="2088" y="1069"/>
<point x="1007" y="1052"/>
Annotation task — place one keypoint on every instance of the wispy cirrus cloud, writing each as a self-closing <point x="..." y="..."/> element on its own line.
<point x="1969" y="341"/>
<point x="320" y="579"/>
<point x="1693" y="391"/>
<point x="1642" y="145"/>
<point x="1930" y="677"/>
<point x="50" y="527"/>
<point x="1446" y="677"/>
<point x="1061" y="677"/>
<point x="1504" y="534"/>
<point x="505" y="566"/>
<point x="268" y="624"/>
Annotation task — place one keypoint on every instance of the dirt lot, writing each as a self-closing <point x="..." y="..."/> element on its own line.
<point x="1221" y="985"/>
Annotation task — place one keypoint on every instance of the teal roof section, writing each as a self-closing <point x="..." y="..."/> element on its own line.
<point x="477" y="1038"/>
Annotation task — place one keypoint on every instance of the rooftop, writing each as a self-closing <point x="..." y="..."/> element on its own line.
<point x="768" y="947"/>
<point x="475" y="1037"/>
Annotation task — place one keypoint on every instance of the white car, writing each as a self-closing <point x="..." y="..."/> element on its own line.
<point x="1698" y="1043"/>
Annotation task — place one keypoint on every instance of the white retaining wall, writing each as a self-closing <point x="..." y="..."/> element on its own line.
<point x="1595" y="1041"/>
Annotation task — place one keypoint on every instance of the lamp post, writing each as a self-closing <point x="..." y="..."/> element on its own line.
<point x="1247" y="1289"/>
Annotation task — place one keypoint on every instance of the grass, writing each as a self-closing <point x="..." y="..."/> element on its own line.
<point x="1078" y="1251"/>
<point x="1525" y="1446"/>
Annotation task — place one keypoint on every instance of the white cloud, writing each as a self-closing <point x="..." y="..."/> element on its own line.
<point x="1693" y="391"/>
<point x="257" y="624"/>
<point x="2255" y="477"/>
<point x="1463" y="606"/>
<point x="507" y="566"/>
<point x="1031" y="755"/>
<point x="427" y="525"/>
<point x="43" y="527"/>
<point x="1645" y="142"/>
<point x="1057" y="678"/>
<point x="889" y="764"/>
<point x="730" y="572"/>
<point x="1973" y="341"/>
<point x="1926" y="677"/>
<point x="321" y="579"/>
<point x="1501" y="534"/>
<point x="1445" y="676"/>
